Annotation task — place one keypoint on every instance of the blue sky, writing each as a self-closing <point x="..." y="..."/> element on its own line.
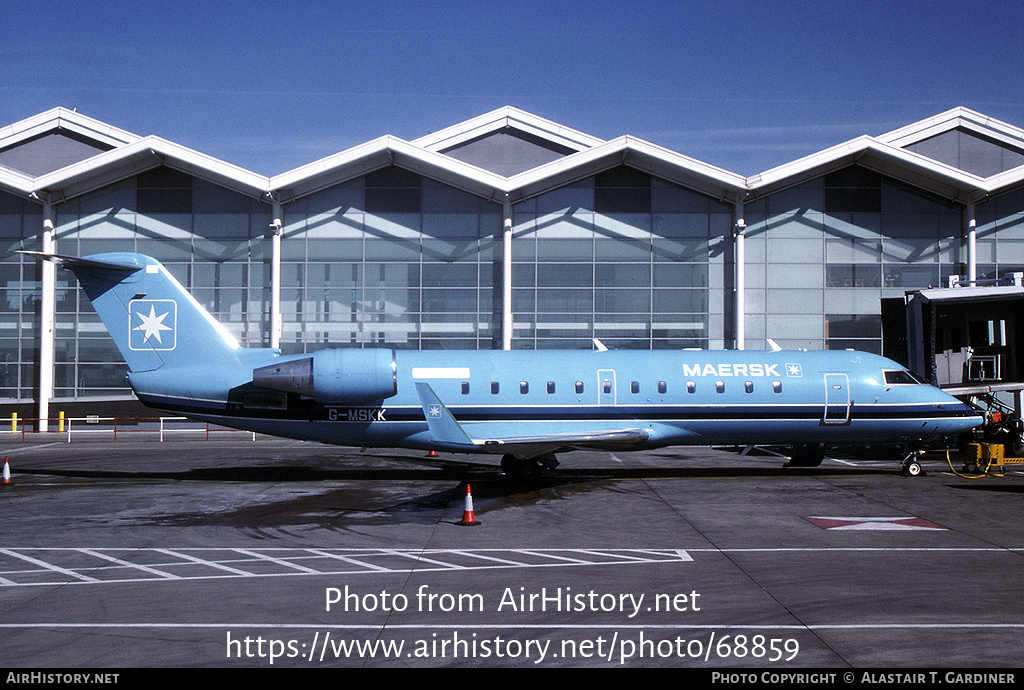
<point x="743" y="85"/>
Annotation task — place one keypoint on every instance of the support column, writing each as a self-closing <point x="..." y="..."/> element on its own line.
<point x="46" y="320"/>
<point x="971" y="227"/>
<point x="506" y="274"/>
<point x="740" y="310"/>
<point x="276" y="228"/>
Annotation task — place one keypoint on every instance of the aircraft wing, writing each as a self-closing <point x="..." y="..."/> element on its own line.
<point x="447" y="430"/>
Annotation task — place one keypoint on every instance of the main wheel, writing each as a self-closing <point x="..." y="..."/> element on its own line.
<point x="806" y="455"/>
<point x="520" y="469"/>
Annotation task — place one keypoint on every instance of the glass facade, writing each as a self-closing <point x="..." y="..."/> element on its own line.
<point x="20" y="221"/>
<point x="1001" y="235"/>
<point x="397" y="259"/>
<point x="632" y="260"/>
<point x="211" y="239"/>
<point x="390" y="259"/>
<point x="822" y="255"/>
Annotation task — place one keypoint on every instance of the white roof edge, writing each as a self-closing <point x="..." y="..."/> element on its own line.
<point x="112" y="165"/>
<point x="398" y="152"/>
<point x="507" y="116"/>
<point x="130" y="157"/>
<point x="696" y="175"/>
<point x="952" y="119"/>
<point x="16" y="182"/>
<point x="850" y="152"/>
<point x="63" y="118"/>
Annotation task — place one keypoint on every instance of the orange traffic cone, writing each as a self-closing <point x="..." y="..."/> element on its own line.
<point x="467" y="513"/>
<point x="7" y="474"/>
<point x="432" y="454"/>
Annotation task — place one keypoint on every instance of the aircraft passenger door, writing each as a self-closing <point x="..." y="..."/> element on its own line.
<point x="837" y="399"/>
<point x="606" y="387"/>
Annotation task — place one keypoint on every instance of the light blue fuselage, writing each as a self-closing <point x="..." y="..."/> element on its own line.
<point x="678" y="397"/>
<point x="518" y="403"/>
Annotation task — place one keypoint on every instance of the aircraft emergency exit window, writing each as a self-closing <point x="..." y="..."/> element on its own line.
<point x="607" y="386"/>
<point x="662" y="387"/>
<point x="579" y="387"/>
<point x="551" y="387"/>
<point x="634" y="387"/>
<point x="494" y="387"/>
<point x="465" y="387"/>
<point x="524" y="387"/>
<point x="901" y="378"/>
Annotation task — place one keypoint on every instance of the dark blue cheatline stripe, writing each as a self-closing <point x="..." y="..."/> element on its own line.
<point x="512" y="413"/>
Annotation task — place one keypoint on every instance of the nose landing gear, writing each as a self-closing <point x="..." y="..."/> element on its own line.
<point x="912" y="463"/>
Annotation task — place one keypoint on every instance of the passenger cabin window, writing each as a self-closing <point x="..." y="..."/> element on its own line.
<point x="465" y="387"/>
<point x="901" y="378"/>
<point x="607" y="386"/>
<point x="551" y="387"/>
<point x="662" y="387"/>
<point x="579" y="387"/>
<point x="720" y="386"/>
<point x="634" y="387"/>
<point x="749" y="386"/>
<point x="524" y="387"/>
<point x="691" y="387"/>
<point x="777" y="386"/>
<point x="494" y="388"/>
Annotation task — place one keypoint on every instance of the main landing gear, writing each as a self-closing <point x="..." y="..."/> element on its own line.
<point x="527" y="469"/>
<point x="806" y="455"/>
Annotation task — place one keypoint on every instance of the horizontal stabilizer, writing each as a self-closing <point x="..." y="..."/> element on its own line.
<point x="440" y="421"/>
<point x="75" y="262"/>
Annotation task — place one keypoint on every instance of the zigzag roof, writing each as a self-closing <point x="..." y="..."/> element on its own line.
<point x="574" y="155"/>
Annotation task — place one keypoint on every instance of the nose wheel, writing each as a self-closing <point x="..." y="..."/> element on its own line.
<point x="912" y="464"/>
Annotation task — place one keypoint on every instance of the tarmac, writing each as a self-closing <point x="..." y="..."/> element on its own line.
<point x="253" y="552"/>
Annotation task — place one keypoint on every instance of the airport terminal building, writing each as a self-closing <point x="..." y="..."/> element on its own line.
<point x="504" y="231"/>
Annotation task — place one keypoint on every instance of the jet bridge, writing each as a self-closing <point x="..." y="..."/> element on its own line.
<point x="967" y="340"/>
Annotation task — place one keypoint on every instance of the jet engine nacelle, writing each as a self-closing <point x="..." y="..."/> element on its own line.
<point x="334" y="377"/>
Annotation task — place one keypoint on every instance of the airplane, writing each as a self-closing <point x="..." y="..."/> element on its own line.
<point x="526" y="406"/>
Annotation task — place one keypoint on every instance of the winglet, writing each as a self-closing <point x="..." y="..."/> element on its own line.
<point x="443" y="426"/>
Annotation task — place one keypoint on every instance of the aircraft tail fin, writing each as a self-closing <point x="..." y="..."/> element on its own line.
<point x="152" y="319"/>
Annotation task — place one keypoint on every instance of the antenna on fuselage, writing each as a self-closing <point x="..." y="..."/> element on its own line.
<point x="598" y="345"/>
<point x="774" y="345"/>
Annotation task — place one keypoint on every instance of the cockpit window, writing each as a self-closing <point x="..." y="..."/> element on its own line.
<point x="902" y="377"/>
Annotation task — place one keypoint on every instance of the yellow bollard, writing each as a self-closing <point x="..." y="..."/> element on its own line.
<point x="14" y="421"/>
<point x="60" y="422"/>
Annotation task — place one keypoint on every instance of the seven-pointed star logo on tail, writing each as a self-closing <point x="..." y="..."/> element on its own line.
<point x="152" y="324"/>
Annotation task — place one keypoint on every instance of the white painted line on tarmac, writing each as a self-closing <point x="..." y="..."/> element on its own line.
<point x="126" y="564"/>
<point x="284" y="559"/>
<point x="278" y="561"/>
<point x="49" y="566"/>
<point x="204" y="562"/>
